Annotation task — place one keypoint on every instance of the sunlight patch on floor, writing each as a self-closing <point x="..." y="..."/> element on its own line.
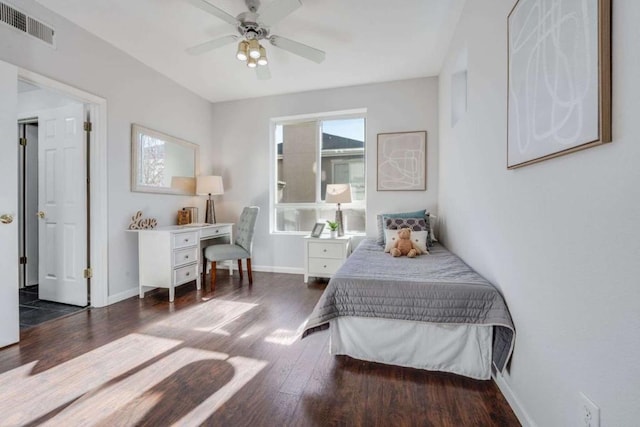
<point x="27" y="397"/>
<point x="128" y="401"/>
<point x="285" y="336"/>
<point x="210" y="317"/>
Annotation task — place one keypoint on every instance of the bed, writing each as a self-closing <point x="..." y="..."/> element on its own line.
<point x="430" y="312"/>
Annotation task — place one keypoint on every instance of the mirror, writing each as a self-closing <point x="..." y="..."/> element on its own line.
<point x="161" y="163"/>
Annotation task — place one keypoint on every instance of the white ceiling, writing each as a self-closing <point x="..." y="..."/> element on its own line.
<point x="366" y="41"/>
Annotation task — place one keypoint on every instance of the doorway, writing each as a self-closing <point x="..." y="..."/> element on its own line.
<point x="53" y="197"/>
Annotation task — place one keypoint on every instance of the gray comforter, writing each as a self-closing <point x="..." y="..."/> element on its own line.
<point x="436" y="288"/>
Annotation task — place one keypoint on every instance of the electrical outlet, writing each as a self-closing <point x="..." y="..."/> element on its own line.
<point x="589" y="412"/>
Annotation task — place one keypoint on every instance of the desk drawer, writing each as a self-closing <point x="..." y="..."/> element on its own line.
<point x="185" y="256"/>
<point x="326" y="250"/>
<point x="323" y="266"/>
<point x="183" y="240"/>
<point x="185" y="274"/>
<point x="223" y="230"/>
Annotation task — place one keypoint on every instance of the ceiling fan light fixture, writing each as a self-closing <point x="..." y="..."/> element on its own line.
<point x="262" y="60"/>
<point x="252" y="63"/>
<point x="243" y="46"/>
<point x="254" y="49"/>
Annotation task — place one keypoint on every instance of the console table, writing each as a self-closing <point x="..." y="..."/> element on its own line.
<point x="170" y="256"/>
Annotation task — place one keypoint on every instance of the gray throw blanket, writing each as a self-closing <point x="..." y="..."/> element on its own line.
<point x="435" y="288"/>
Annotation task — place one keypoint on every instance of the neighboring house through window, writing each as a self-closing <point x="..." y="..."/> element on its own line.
<point x="312" y="152"/>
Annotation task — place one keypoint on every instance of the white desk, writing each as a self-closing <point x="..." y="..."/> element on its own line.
<point x="170" y="256"/>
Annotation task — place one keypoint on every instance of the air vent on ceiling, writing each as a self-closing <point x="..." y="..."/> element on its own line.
<point x="25" y="23"/>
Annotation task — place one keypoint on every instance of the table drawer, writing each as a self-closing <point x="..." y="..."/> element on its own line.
<point x="326" y="250"/>
<point x="185" y="256"/>
<point x="185" y="274"/>
<point x="324" y="266"/>
<point x="183" y="240"/>
<point x="215" y="231"/>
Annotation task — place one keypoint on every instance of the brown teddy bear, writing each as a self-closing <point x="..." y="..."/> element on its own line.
<point x="404" y="245"/>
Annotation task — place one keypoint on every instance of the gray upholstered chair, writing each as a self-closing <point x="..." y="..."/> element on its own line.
<point x="239" y="250"/>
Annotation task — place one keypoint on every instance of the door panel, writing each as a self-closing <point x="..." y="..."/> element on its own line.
<point x="63" y="200"/>
<point x="9" y="317"/>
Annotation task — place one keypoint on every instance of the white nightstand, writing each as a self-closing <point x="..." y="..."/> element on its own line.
<point x="323" y="256"/>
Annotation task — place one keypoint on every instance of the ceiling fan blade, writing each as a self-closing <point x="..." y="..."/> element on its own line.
<point x="275" y="11"/>
<point x="263" y="72"/>
<point x="308" y="52"/>
<point x="215" y="11"/>
<point x="211" y="44"/>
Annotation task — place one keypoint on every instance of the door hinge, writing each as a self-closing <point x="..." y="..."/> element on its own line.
<point x="88" y="273"/>
<point x="23" y="260"/>
<point x="88" y="126"/>
<point x="23" y="142"/>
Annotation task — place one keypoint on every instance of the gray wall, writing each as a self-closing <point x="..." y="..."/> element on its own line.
<point x="560" y="238"/>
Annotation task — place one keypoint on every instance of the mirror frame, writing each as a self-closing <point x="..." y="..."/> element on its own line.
<point x="136" y="131"/>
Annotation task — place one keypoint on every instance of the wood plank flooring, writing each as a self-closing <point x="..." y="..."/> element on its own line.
<point x="226" y="359"/>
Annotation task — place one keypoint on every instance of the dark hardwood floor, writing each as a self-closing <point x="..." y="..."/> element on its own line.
<point x="227" y="359"/>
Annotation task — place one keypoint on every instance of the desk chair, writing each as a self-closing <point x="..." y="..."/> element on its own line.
<point x="239" y="250"/>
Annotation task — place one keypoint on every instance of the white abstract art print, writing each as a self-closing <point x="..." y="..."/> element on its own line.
<point x="555" y="78"/>
<point x="402" y="161"/>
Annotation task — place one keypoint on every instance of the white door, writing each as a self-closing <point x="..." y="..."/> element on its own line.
<point x="63" y="205"/>
<point x="9" y="317"/>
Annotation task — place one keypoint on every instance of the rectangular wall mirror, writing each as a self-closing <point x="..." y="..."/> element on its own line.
<point x="161" y="163"/>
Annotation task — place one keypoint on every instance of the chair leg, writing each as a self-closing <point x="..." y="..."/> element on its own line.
<point x="249" y="270"/>
<point x="213" y="275"/>
<point x="240" y="268"/>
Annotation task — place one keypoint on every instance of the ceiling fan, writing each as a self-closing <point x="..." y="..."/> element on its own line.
<point x="254" y="26"/>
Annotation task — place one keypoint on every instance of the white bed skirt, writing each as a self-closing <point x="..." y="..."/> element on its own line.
<point x="459" y="349"/>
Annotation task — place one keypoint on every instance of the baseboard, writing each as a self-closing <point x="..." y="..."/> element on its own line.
<point x="513" y="401"/>
<point x="265" y="269"/>
<point x="112" y="299"/>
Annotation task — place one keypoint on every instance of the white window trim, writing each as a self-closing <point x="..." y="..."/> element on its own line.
<point x="273" y="179"/>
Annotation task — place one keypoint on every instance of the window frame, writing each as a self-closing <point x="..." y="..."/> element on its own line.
<point x="358" y="113"/>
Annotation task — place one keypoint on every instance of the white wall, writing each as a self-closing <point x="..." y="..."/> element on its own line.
<point x="242" y="133"/>
<point x="560" y="238"/>
<point x="135" y="94"/>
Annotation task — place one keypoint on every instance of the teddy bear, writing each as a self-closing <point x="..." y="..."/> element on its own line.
<point x="404" y="245"/>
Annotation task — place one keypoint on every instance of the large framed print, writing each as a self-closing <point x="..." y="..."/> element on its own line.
<point x="402" y="161"/>
<point x="559" y="78"/>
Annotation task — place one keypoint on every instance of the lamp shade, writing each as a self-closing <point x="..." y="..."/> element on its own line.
<point x="338" y="193"/>
<point x="209" y="184"/>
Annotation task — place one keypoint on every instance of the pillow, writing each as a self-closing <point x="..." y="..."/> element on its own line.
<point x="381" y="223"/>
<point x="414" y="224"/>
<point x="418" y="237"/>
<point x="432" y="234"/>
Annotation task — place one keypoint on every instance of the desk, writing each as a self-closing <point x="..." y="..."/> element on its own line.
<point x="170" y="256"/>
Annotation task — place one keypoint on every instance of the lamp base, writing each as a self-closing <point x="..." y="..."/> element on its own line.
<point x="339" y="221"/>
<point x="210" y="212"/>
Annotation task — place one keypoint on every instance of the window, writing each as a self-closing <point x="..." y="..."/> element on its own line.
<point x="311" y="153"/>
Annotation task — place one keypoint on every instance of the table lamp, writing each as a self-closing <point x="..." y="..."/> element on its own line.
<point x="209" y="185"/>
<point x="338" y="193"/>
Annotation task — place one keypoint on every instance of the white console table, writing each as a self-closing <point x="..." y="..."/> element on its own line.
<point x="170" y="256"/>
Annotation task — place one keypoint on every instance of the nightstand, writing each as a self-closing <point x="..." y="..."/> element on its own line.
<point x="323" y="256"/>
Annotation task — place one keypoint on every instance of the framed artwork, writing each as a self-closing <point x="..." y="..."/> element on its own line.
<point x="559" y="78"/>
<point x="317" y="229"/>
<point x="402" y="161"/>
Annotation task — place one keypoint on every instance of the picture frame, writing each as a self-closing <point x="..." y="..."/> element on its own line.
<point x="559" y="79"/>
<point x="317" y="229"/>
<point x="402" y="161"/>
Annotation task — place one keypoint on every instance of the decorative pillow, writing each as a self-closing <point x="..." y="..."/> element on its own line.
<point x="432" y="234"/>
<point x="418" y="237"/>
<point x="415" y="224"/>
<point x="381" y="223"/>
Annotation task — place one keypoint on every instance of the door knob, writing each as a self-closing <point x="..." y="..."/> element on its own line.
<point x="40" y="214"/>
<point x="6" y="219"/>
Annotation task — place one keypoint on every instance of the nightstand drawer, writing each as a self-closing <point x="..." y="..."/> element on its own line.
<point x="183" y="240"/>
<point x="324" y="266"/>
<point x="326" y="250"/>
<point x="185" y="274"/>
<point x="185" y="256"/>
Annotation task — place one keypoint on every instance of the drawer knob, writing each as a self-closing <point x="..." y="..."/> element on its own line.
<point x="325" y="266"/>
<point x="217" y="231"/>
<point x="187" y="273"/>
<point x="186" y="240"/>
<point x="324" y="250"/>
<point x="186" y="257"/>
